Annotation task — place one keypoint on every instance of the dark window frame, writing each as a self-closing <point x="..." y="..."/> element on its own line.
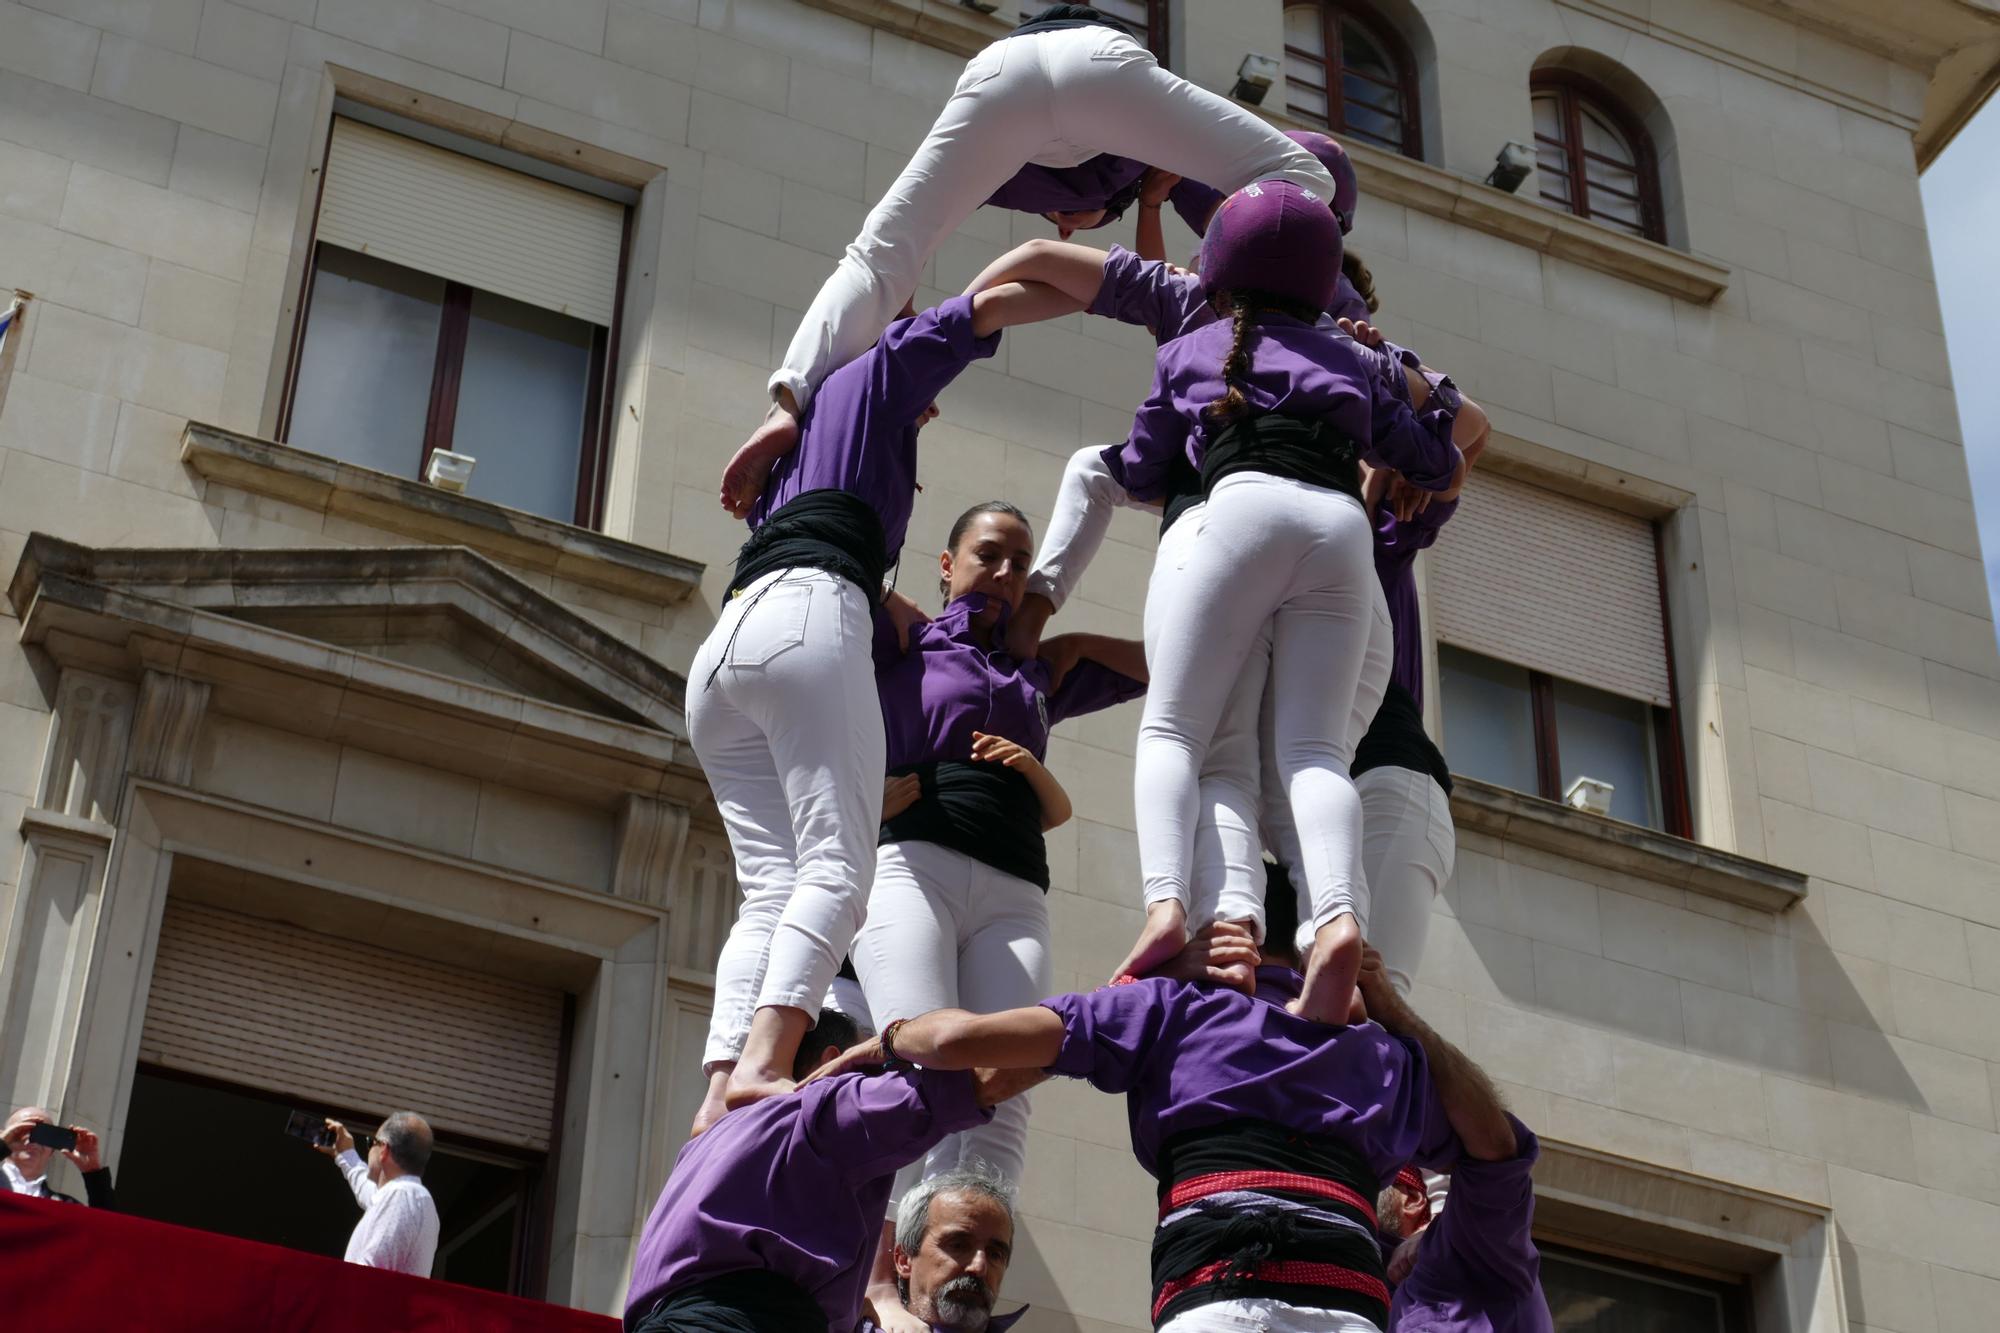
<point x="1732" y="1290"/>
<point x="1670" y="758"/>
<point x="593" y="458"/>
<point x="1572" y="91"/>
<point x="1331" y="13"/>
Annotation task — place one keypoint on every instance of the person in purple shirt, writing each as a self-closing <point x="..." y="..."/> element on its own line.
<point x="769" y="1219"/>
<point x="959" y="916"/>
<point x="1066" y="90"/>
<point x="782" y="708"/>
<point x="1196" y="204"/>
<point x="1275" y="412"/>
<point x="1270" y="1134"/>
<point x="1473" y="1268"/>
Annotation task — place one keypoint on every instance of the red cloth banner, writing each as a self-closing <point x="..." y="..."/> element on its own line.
<point x="67" y="1267"/>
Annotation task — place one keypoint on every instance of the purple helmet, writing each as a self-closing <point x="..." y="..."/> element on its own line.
<point x="1196" y="202"/>
<point x="1273" y="237"/>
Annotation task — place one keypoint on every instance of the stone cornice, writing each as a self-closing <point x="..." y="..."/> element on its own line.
<point x="397" y="504"/>
<point x="1627" y="848"/>
<point x="944" y="24"/>
<point x="122" y="612"/>
<point x="1445" y="194"/>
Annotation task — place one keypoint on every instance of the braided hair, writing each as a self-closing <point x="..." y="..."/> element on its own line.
<point x="1247" y="307"/>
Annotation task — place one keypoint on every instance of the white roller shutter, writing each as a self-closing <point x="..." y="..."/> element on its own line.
<point x="1554" y="584"/>
<point x="329" y="1021"/>
<point x="469" y="221"/>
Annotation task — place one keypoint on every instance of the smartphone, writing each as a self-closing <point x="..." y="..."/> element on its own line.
<point x="312" y="1128"/>
<point x="52" y="1136"/>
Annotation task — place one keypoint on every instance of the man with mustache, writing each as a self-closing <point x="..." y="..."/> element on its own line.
<point x="954" y="1238"/>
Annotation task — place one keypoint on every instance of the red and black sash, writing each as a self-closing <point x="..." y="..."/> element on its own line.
<point x="1251" y="1209"/>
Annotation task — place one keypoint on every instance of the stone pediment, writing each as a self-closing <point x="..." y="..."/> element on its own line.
<point x="444" y="610"/>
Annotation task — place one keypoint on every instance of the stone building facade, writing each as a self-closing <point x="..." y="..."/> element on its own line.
<point x="299" y="753"/>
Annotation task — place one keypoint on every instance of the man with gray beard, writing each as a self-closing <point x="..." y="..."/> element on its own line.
<point x="954" y="1238"/>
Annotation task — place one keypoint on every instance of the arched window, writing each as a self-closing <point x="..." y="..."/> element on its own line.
<point x="1348" y="70"/>
<point x="1595" y="158"/>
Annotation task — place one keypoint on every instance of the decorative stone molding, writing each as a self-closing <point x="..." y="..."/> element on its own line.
<point x="704" y="902"/>
<point x="440" y="518"/>
<point x="651" y="834"/>
<point x="83" y="768"/>
<point x="45" y="943"/>
<point x="1445" y="194"/>
<point x="1615" y="845"/>
<point x="170" y="713"/>
<point x="941" y="23"/>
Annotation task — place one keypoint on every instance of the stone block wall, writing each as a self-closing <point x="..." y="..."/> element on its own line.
<point x="1838" y="660"/>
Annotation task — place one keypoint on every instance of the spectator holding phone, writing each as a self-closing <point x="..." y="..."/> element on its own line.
<point x="398" y="1229"/>
<point x="33" y="1137"/>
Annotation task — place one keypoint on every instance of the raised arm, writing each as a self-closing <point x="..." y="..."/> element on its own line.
<point x="1011" y="303"/>
<point x="1150" y="240"/>
<point x="1470" y="1102"/>
<point x="1077" y="270"/>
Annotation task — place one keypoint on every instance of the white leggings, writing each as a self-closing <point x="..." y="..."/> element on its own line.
<point x="1408" y="847"/>
<point x="783" y="714"/>
<point x="947" y="931"/>
<point x="1298" y="556"/>
<point x="1260" y="1315"/>
<point x="1054" y="99"/>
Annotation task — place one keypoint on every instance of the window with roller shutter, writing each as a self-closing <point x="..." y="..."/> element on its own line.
<point x="1554" y="655"/>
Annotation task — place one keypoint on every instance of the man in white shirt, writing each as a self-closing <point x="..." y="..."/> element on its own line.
<point x="398" y="1229"/>
<point x="25" y="1167"/>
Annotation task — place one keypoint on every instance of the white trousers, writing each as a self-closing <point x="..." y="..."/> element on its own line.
<point x="1298" y="556"/>
<point x="1408" y="848"/>
<point x="1055" y="99"/>
<point x="783" y="714"/>
<point x="1079" y="524"/>
<point x="947" y="931"/>
<point x="1259" y="1315"/>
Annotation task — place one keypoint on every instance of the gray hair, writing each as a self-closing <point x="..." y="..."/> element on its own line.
<point x="408" y="1140"/>
<point x="974" y="1176"/>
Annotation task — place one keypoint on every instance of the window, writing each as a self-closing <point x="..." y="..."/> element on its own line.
<point x="1591" y="1293"/>
<point x="1595" y="160"/>
<point x="1554" y="659"/>
<point x="1348" y="70"/>
<point x="453" y="304"/>
<point x="1145" y="19"/>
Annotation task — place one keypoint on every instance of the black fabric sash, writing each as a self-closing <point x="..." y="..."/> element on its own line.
<point x="746" y="1301"/>
<point x="1054" y="18"/>
<point x="1184" y="492"/>
<point x="833" y="530"/>
<point x="987" y="811"/>
<point x="1288" y="1216"/>
<point x="1397" y="739"/>
<point x="1310" y="451"/>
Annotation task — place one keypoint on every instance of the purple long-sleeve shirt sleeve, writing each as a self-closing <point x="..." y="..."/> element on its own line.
<point x="860" y="435"/>
<point x="1158" y="297"/>
<point x="1477" y="1268"/>
<point x="866" y="1127"/>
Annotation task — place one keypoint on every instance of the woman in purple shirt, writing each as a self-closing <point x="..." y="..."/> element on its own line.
<point x="1275" y="412"/>
<point x="1056" y="118"/>
<point x="782" y="708"/>
<point x="958" y="917"/>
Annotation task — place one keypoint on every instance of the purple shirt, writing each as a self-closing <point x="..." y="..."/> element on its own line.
<point x="998" y="1323"/>
<point x="948" y="686"/>
<point x="1396" y="547"/>
<point x="1035" y="189"/>
<point x="1299" y="370"/>
<point x="1189" y="1056"/>
<point x="797" y="1186"/>
<point x="860" y="432"/>
<point x="1477" y="1268"/>
<point x="1169" y="302"/>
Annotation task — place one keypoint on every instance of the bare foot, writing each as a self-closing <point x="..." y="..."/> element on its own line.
<point x="1329" y="995"/>
<point x="1164" y="934"/>
<point x="744" y="477"/>
<point x="712" y="1104"/>
<point x="747" y="1086"/>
